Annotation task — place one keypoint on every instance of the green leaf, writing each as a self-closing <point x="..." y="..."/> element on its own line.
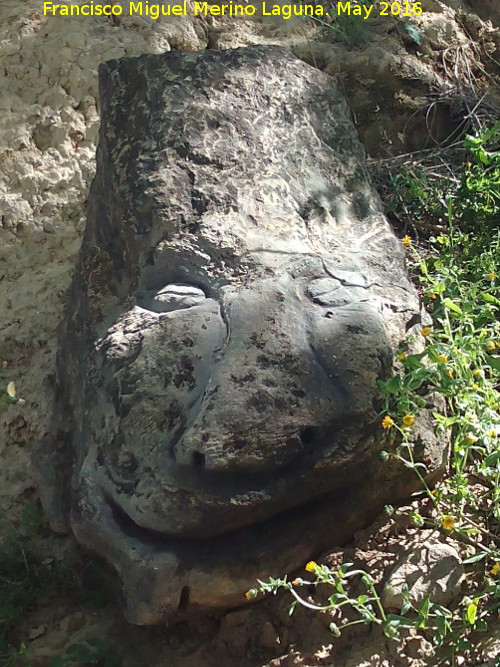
<point x="423" y="610"/>
<point x="475" y="558"/>
<point x="400" y="621"/>
<point x="489" y="298"/>
<point x="451" y="305"/>
<point x="334" y="629"/>
<point x="413" y="361"/>
<point x="406" y="607"/>
<point x="416" y="382"/>
<point x="472" y="142"/>
<point x="343" y="569"/>
<point x="471" y="613"/>
<point x="440" y="627"/>
<point x="494" y="362"/>
<point x="392" y="386"/>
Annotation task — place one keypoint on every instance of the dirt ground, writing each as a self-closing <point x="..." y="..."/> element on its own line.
<point x="410" y="87"/>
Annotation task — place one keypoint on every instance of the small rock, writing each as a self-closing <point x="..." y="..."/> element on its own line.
<point x="269" y="637"/>
<point x="431" y="569"/>
<point x="72" y="623"/>
<point x="37" y="632"/>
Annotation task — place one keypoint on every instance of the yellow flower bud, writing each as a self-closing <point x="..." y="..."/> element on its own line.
<point x="408" y="420"/>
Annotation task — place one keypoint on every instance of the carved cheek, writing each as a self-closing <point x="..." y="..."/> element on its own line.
<point x="351" y="344"/>
<point x="155" y="391"/>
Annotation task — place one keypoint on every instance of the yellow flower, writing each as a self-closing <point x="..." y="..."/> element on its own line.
<point x="425" y="331"/>
<point x="408" y="420"/>
<point x="402" y="356"/>
<point x="492" y="433"/>
<point x="434" y="492"/>
<point x="475" y="386"/>
<point x="432" y="295"/>
<point x="449" y="373"/>
<point x="406" y="240"/>
<point x="387" y="422"/>
<point x="491" y="345"/>
<point x="442" y="358"/>
<point x="495" y="569"/>
<point x="311" y="566"/>
<point x="477" y="372"/>
<point x="471" y="438"/>
<point x="491" y="276"/>
<point x="448" y="522"/>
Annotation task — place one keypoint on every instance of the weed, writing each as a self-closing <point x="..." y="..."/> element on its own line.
<point x="7" y="389"/>
<point x="26" y="578"/>
<point x="345" y="27"/>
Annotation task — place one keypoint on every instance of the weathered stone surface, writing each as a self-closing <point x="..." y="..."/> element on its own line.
<point x="432" y="569"/>
<point x="237" y="296"/>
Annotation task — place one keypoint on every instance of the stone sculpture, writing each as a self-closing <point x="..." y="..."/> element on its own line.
<point x="237" y="297"/>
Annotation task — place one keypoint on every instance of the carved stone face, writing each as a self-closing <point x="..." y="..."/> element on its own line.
<point x="237" y="298"/>
<point x="222" y="411"/>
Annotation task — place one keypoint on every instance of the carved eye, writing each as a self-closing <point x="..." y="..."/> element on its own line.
<point x="175" y="296"/>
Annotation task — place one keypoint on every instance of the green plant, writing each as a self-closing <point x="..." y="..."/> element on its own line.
<point x="445" y="625"/>
<point x="7" y="389"/>
<point x="346" y="27"/>
<point x="26" y="578"/>
<point x="368" y="605"/>
<point x="459" y="280"/>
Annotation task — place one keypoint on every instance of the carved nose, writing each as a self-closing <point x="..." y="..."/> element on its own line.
<point x="258" y="422"/>
<point x="221" y="441"/>
<point x="267" y="394"/>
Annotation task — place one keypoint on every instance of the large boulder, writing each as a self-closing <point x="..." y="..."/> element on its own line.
<point x="237" y="297"/>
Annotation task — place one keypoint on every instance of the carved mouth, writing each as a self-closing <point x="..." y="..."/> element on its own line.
<point x="209" y="504"/>
<point x="277" y="505"/>
<point x="293" y="517"/>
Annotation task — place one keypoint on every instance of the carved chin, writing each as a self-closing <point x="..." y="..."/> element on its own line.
<point x="165" y="574"/>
